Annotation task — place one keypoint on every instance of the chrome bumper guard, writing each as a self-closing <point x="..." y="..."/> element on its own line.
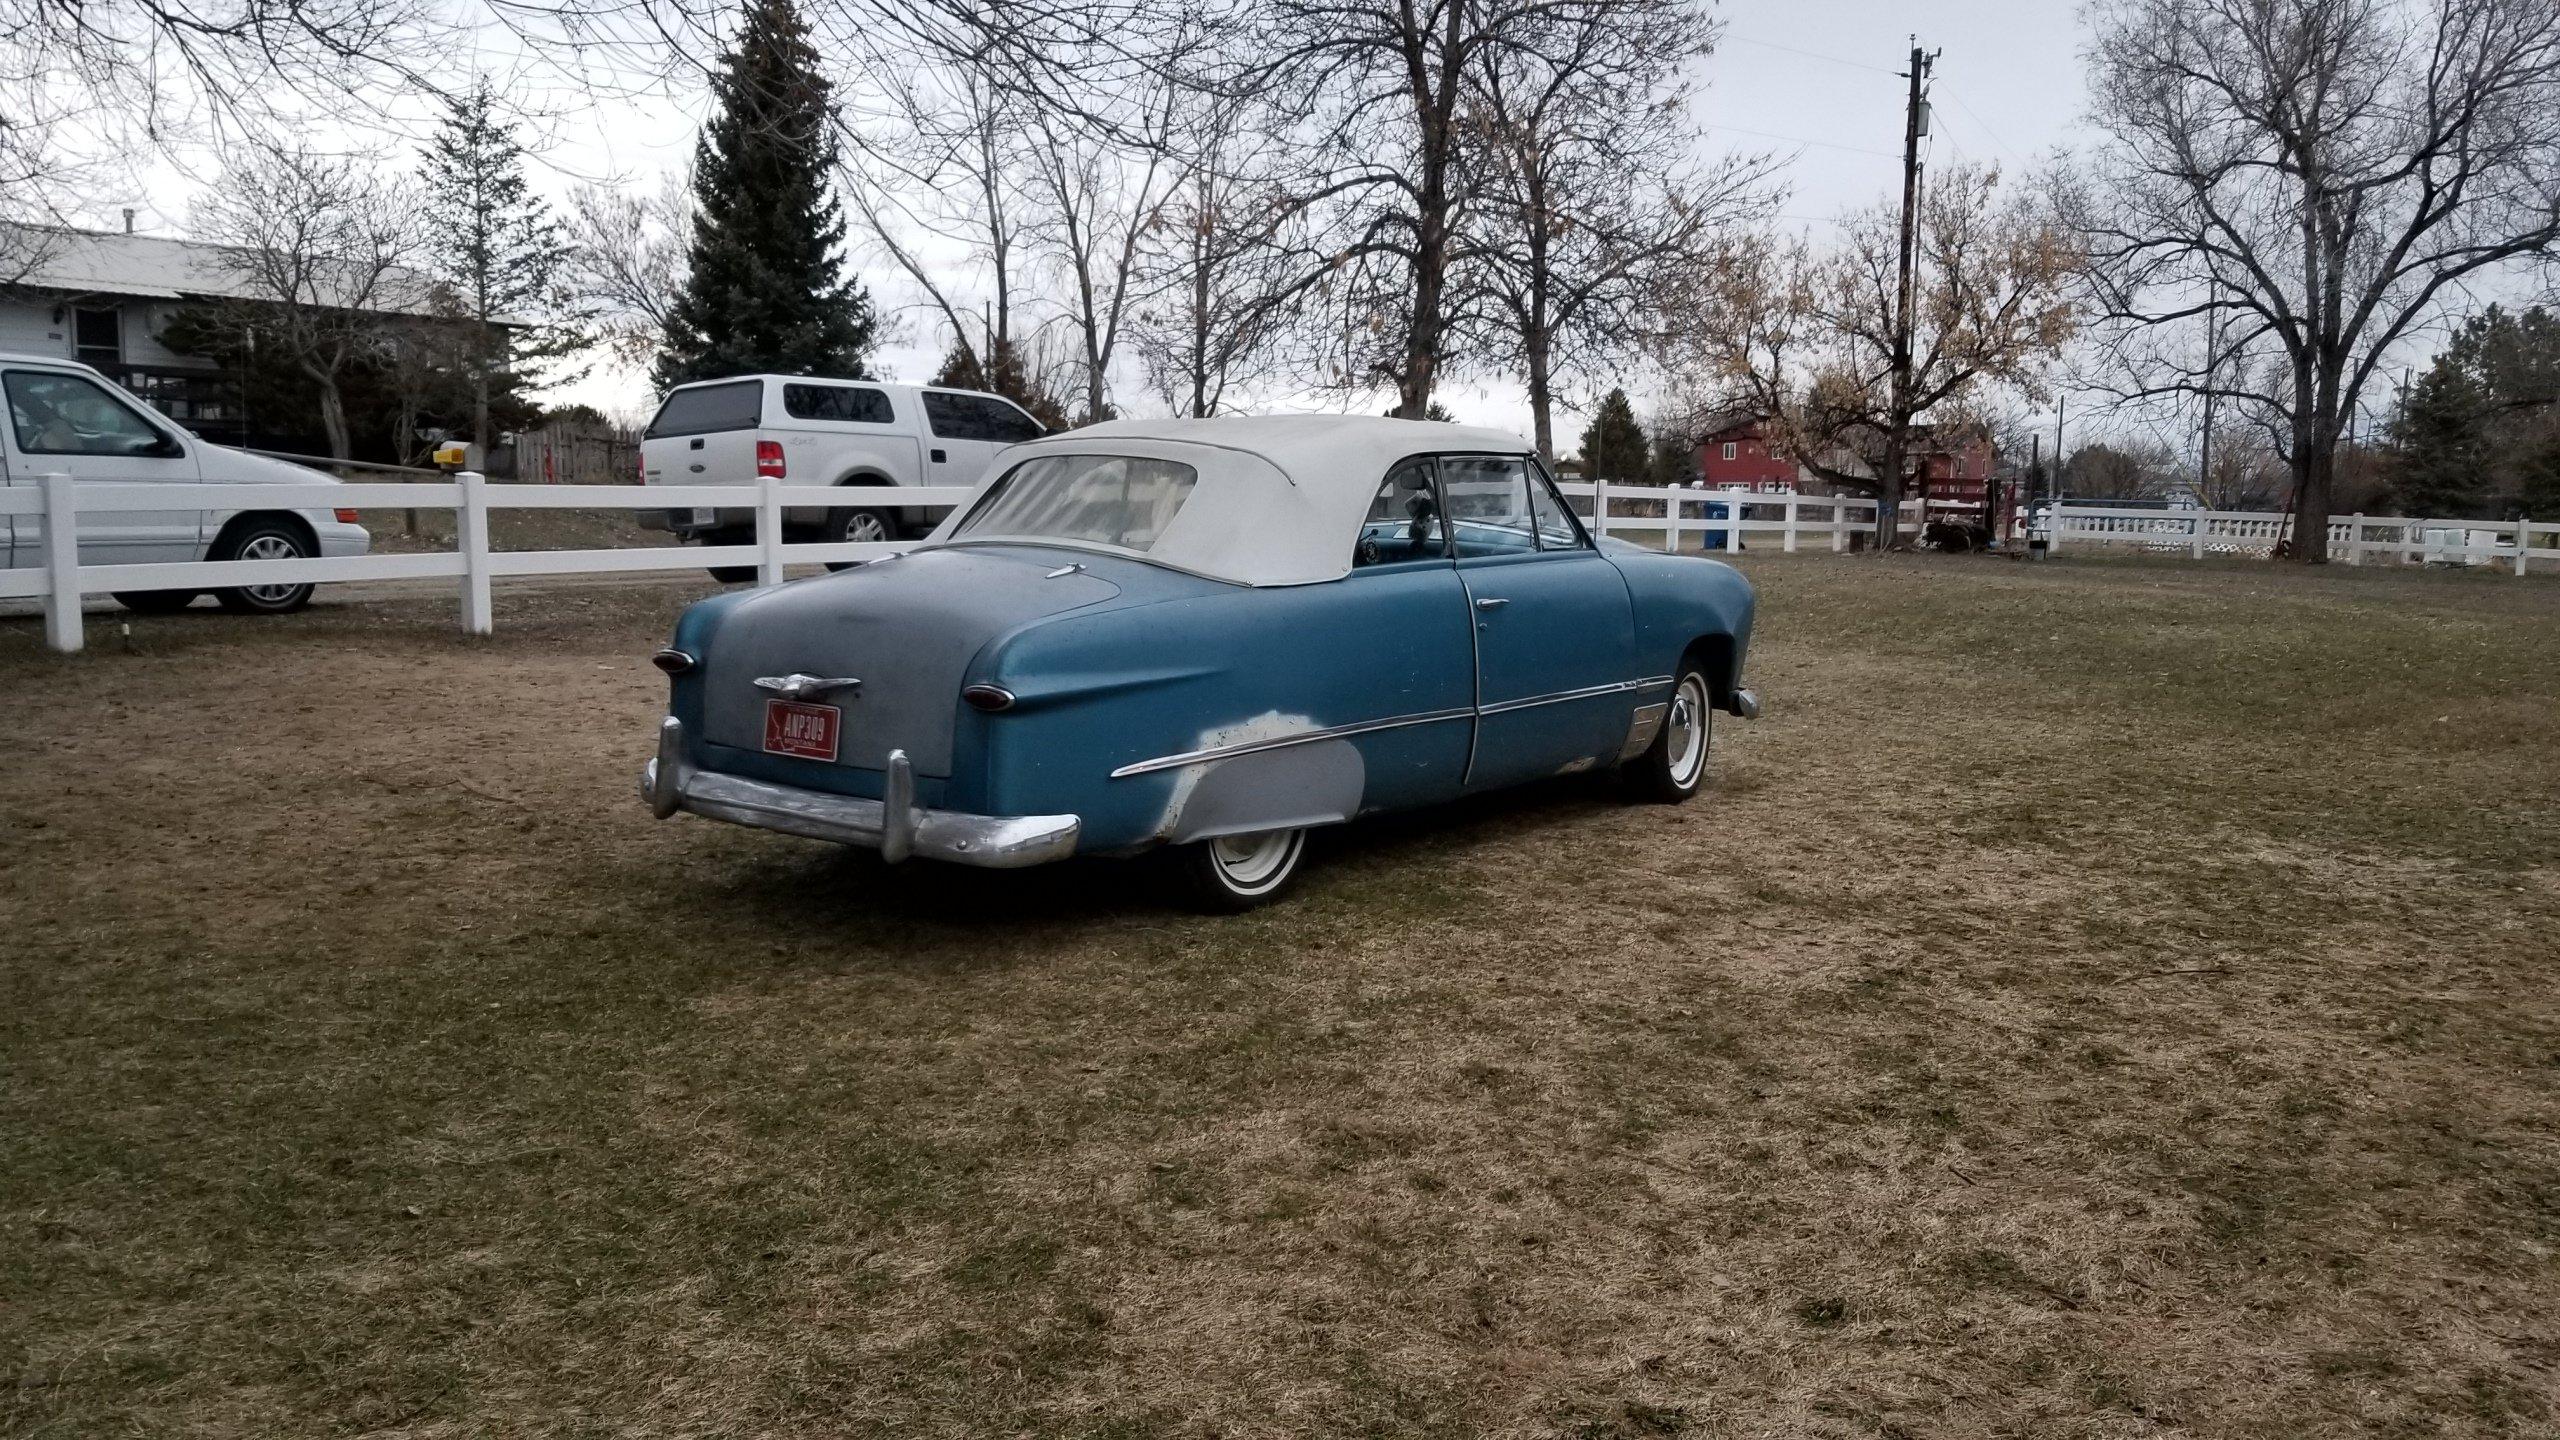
<point x="893" y="825"/>
<point x="1745" y="703"/>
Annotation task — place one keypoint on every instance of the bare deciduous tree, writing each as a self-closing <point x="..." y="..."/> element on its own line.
<point x="1217" y="285"/>
<point x="1097" y="199"/>
<point x="318" y="245"/>
<point x="627" y="261"/>
<point x="1583" y="219"/>
<point x="1803" y="337"/>
<point x="2311" y="178"/>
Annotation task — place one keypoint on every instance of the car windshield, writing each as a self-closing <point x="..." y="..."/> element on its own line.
<point x="709" y="409"/>
<point x="1125" y="501"/>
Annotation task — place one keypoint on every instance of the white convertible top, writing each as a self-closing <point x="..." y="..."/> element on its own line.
<point x="1280" y="498"/>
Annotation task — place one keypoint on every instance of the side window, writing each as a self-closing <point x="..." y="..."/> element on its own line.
<point x="67" y="415"/>
<point x="1729" y="448"/>
<point x="952" y="417"/>
<point x="1003" y="421"/>
<point x="848" y="403"/>
<point x="1488" y="499"/>
<point x="1403" y="522"/>
<point x="1556" y="530"/>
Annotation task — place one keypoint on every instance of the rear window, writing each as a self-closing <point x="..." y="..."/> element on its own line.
<point x="705" y="409"/>
<point x="1121" y="500"/>
<point x="978" y="417"/>
<point x="836" y="402"/>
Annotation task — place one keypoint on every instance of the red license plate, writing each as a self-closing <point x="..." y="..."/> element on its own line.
<point x="808" y="731"/>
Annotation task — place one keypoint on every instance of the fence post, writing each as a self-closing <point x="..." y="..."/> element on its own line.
<point x="2053" y="528"/>
<point x="471" y="537"/>
<point x="1671" y="520"/>
<point x="61" y="563"/>
<point x="2524" y="541"/>
<point x="768" y="532"/>
<point x="1790" y="545"/>
<point x="1839" y="523"/>
<point x="2355" y="538"/>
<point x="2195" y="545"/>
<point x="1599" y="506"/>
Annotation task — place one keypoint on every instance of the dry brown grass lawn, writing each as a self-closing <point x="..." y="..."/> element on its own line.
<point x="2097" y="1000"/>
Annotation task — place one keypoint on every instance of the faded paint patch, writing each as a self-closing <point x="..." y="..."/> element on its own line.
<point x="1269" y="725"/>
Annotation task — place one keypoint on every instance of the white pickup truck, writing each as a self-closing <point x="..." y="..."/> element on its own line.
<point x="866" y="435"/>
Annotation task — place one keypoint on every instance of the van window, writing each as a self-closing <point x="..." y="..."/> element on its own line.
<point x="707" y="409"/>
<point x="836" y="402"/>
<point x="54" y="414"/>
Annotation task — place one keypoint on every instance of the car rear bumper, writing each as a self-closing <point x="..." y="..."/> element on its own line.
<point x="894" y="825"/>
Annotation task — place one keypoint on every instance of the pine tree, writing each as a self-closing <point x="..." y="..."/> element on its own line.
<point x="498" y="254"/>
<point x="766" y="291"/>
<point x="1613" y="444"/>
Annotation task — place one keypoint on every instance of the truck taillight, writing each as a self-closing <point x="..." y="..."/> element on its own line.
<point x="768" y="459"/>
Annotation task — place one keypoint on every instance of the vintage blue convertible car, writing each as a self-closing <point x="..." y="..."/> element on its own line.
<point x="1212" y="635"/>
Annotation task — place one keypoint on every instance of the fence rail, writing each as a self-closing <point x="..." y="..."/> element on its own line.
<point x="1676" y="519"/>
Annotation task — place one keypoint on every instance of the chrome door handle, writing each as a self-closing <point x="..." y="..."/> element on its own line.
<point x="1492" y="602"/>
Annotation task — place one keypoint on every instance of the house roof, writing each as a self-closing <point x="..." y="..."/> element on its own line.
<point x="159" y="267"/>
<point x="1279" y="499"/>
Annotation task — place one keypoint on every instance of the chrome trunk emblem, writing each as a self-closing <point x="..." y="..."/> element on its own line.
<point x="805" y="687"/>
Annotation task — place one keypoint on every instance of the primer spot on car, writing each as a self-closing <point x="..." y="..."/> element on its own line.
<point x="1270" y="725"/>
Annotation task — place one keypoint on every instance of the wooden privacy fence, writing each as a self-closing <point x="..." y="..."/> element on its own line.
<point x="1674" y="519"/>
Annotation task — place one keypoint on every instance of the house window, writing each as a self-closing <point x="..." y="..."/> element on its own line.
<point x="97" y="337"/>
<point x="1731" y="449"/>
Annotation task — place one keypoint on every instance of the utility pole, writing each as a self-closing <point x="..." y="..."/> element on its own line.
<point x="2204" y="451"/>
<point x="1915" y="127"/>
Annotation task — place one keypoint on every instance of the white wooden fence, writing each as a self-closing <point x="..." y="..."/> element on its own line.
<point x="2353" y="539"/>
<point x="1675" y="519"/>
<point x="61" y="580"/>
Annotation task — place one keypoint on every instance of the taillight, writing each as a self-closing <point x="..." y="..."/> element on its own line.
<point x="768" y="459"/>
<point x="640" y="466"/>
<point x="346" y="517"/>
<point x="990" y="698"/>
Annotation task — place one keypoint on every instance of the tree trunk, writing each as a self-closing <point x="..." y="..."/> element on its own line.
<point x="1541" y="405"/>
<point x="333" y="420"/>
<point x="1889" y="493"/>
<point x="2314" y="467"/>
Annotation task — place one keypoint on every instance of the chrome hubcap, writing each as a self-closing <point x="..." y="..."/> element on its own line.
<point x="865" y="528"/>
<point x="1252" y="862"/>
<point x="269" y="547"/>
<point x="1685" y="731"/>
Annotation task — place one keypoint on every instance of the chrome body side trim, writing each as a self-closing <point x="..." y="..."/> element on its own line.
<point x="1364" y="727"/>
<point x="895" y="826"/>
<point x="1282" y="742"/>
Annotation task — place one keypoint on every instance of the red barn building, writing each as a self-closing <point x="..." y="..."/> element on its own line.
<point x="1741" y="455"/>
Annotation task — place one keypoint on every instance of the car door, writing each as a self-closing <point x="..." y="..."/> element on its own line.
<point x="1554" y="628"/>
<point x="61" y="420"/>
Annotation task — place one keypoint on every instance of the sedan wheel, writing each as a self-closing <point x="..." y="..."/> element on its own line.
<point x="266" y="540"/>
<point x="1235" y="873"/>
<point x="1672" y="766"/>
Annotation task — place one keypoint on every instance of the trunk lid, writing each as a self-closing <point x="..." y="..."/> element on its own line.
<point x="907" y="628"/>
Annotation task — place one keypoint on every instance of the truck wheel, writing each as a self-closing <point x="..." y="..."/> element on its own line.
<point x="155" y="602"/>
<point x="1234" y="873"/>
<point x="266" y="540"/>
<point x="856" y="527"/>
<point x="1671" y="768"/>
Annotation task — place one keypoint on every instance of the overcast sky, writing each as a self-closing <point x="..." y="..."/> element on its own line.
<point x="1815" y="80"/>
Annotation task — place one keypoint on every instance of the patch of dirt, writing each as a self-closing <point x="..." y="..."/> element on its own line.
<point x="2090" y="1002"/>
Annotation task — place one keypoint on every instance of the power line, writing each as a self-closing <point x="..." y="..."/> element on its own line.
<point x="1812" y="54"/>
<point x="1986" y="128"/>
<point x="1800" y="140"/>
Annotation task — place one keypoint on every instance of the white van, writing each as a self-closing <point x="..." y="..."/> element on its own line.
<point x="865" y="435"/>
<point x="66" y="417"/>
